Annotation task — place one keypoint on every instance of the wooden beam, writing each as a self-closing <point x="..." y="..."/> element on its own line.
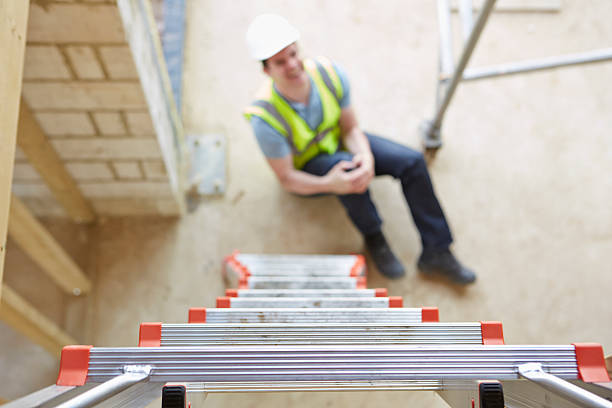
<point x="145" y="44"/>
<point x="44" y="158"/>
<point x="13" y="20"/>
<point x="24" y="318"/>
<point x="39" y="244"/>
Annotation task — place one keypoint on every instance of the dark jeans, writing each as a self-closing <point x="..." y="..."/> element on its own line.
<point x="409" y="167"/>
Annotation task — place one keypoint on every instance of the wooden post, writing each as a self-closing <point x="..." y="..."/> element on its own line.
<point x="13" y="21"/>
<point x="24" y="318"/>
<point x="46" y="161"/>
<point x="39" y="244"/>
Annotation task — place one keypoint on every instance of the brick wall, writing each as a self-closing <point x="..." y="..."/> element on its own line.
<point x="81" y="82"/>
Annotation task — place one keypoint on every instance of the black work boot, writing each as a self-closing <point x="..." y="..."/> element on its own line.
<point x="443" y="262"/>
<point x="383" y="257"/>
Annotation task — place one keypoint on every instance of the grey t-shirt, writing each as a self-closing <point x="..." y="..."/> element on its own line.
<point x="274" y="144"/>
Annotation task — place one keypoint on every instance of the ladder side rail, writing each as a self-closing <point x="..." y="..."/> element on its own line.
<point x="132" y="375"/>
<point x="583" y="398"/>
<point x="603" y="389"/>
<point x="527" y="394"/>
<point x="53" y="393"/>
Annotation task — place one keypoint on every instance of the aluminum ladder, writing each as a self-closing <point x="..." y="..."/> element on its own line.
<point x="265" y="336"/>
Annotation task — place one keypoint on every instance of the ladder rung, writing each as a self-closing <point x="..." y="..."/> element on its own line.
<point x="292" y="259"/>
<point x="378" y="292"/>
<point x="301" y="386"/>
<point x="308" y="302"/>
<point x="297" y="315"/>
<point x="298" y="270"/>
<point x="239" y="265"/>
<point x="191" y="335"/>
<point x="328" y="363"/>
<point x="259" y="282"/>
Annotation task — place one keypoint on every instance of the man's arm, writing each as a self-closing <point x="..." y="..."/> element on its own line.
<point x="353" y="138"/>
<point x="338" y="180"/>
<point x="357" y="143"/>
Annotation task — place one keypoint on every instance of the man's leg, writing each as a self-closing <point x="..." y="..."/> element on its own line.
<point x="410" y="168"/>
<point x="362" y="211"/>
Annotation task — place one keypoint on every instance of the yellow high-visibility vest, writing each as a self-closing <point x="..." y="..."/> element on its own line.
<point x="305" y="142"/>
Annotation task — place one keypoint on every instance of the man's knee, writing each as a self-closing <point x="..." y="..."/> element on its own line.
<point x="341" y="155"/>
<point x="414" y="164"/>
<point x="323" y="163"/>
<point x="419" y="160"/>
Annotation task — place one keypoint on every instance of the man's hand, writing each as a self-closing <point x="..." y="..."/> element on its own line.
<point x="364" y="164"/>
<point x="351" y="177"/>
<point x="340" y="178"/>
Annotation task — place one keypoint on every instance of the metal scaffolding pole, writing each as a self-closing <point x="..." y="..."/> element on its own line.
<point x="446" y="37"/>
<point x="430" y="129"/>
<point x="447" y="83"/>
<point x="467" y="18"/>
<point x="588" y="57"/>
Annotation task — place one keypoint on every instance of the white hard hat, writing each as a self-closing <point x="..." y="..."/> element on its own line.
<point x="269" y="34"/>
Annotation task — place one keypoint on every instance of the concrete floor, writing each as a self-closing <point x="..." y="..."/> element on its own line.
<point x="522" y="179"/>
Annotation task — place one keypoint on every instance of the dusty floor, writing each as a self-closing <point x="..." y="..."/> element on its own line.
<point x="524" y="178"/>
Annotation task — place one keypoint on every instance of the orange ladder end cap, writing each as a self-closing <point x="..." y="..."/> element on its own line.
<point x="430" y="314"/>
<point x="197" y="315"/>
<point x="492" y="333"/>
<point x="236" y="264"/>
<point x="150" y="335"/>
<point x="591" y="363"/>
<point x="228" y="260"/>
<point x="359" y="266"/>
<point x="74" y="365"/>
<point x="231" y="256"/>
<point x="224" y="302"/>
<point x="245" y="271"/>
<point x="231" y="292"/>
<point x="396" y="301"/>
<point x="381" y="292"/>
<point x="238" y="267"/>
<point x="243" y="283"/>
<point x="362" y="282"/>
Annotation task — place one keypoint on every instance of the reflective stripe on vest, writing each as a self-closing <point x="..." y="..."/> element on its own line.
<point x="305" y="142"/>
<point x="330" y="76"/>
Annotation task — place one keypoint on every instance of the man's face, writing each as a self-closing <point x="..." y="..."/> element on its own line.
<point x="286" y="67"/>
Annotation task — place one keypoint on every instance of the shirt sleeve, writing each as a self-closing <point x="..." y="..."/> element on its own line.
<point x="273" y="144"/>
<point x="345" y="101"/>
